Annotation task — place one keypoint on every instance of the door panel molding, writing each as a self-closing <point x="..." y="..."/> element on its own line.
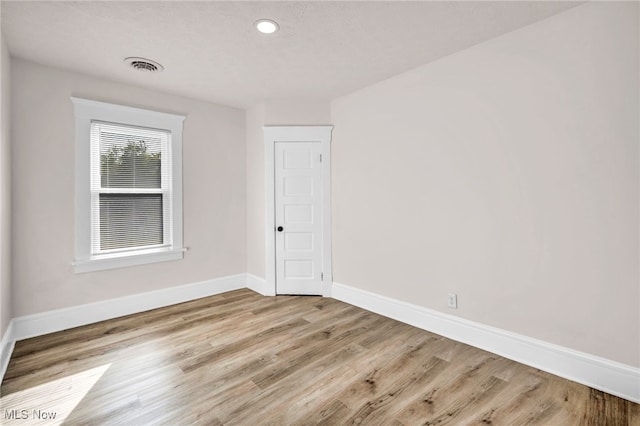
<point x="272" y="135"/>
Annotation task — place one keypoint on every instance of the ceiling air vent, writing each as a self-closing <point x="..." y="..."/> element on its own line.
<point x="144" y="65"/>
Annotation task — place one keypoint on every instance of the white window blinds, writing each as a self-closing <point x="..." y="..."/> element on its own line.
<point x="130" y="188"/>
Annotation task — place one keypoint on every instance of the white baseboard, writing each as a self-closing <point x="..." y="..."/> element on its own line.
<point x="257" y="284"/>
<point x="75" y="316"/>
<point x="7" y="343"/>
<point x="603" y="374"/>
<point x="599" y="373"/>
<point x="62" y="319"/>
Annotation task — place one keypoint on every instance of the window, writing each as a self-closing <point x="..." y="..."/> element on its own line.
<point x="128" y="186"/>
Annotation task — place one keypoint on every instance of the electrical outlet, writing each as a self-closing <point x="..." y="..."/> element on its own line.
<point x="452" y="300"/>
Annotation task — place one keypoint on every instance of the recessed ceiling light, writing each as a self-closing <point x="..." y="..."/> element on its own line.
<point x="143" y="64"/>
<point x="266" y="26"/>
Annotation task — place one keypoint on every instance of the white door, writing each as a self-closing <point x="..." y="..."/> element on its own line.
<point x="298" y="217"/>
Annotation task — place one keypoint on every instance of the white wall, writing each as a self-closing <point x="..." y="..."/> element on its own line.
<point x="273" y="112"/>
<point x="304" y="112"/>
<point x="507" y="173"/>
<point x="6" y="311"/>
<point x="255" y="191"/>
<point x="43" y="191"/>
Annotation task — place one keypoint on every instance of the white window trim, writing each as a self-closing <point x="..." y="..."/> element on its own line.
<point x="85" y="111"/>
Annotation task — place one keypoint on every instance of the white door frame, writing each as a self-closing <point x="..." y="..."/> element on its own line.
<point x="273" y="134"/>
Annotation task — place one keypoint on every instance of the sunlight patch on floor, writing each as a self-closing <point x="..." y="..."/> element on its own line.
<point x="49" y="403"/>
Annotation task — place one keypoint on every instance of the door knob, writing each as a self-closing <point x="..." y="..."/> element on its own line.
<point x="280" y="228"/>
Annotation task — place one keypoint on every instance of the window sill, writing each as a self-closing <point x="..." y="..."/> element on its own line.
<point x="123" y="260"/>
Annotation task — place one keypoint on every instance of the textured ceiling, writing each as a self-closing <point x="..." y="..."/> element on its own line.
<point x="211" y="51"/>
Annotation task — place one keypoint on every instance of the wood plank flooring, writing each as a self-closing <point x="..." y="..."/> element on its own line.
<point x="243" y="359"/>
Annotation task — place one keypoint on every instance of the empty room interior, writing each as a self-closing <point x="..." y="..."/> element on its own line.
<point x="323" y="212"/>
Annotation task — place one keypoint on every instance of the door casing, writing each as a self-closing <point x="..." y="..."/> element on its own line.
<point x="273" y="134"/>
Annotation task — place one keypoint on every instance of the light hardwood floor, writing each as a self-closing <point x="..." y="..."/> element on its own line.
<point x="243" y="359"/>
